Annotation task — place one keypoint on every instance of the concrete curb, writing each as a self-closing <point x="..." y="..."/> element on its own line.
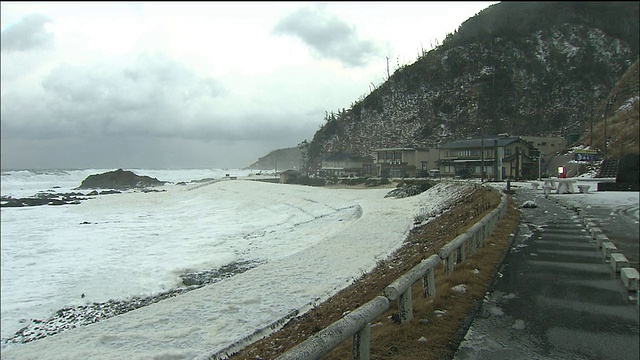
<point x="628" y="276"/>
<point x="468" y="321"/>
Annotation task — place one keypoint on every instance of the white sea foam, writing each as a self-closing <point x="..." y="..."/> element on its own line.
<point x="313" y="242"/>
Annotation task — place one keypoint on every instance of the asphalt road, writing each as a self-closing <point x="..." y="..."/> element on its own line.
<point x="555" y="297"/>
<point x="619" y="224"/>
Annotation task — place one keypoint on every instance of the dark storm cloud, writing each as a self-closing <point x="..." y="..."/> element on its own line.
<point x="29" y="33"/>
<point x="329" y="36"/>
<point x="152" y="96"/>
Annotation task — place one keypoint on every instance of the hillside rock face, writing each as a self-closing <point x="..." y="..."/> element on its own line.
<point x="281" y="159"/>
<point x="541" y="69"/>
<point x="119" y="179"/>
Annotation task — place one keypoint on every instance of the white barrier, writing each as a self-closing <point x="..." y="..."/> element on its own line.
<point x="451" y="253"/>
<point x="630" y="278"/>
<point x="607" y="248"/>
<point x="401" y="288"/>
<point x="356" y="323"/>
<point x="455" y="251"/>
<point x="618" y="261"/>
<point x="584" y="189"/>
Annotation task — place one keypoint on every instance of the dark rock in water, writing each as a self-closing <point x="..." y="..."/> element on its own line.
<point x="73" y="317"/>
<point x="211" y="276"/>
<point x="116" y="179"/>
<point x="152" y="190"/>
<point x="107" y="192"/>
<point x="43" y="199"/>
<point x="119" y="179"/>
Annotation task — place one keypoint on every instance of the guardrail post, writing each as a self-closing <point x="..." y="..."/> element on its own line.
<point x="401" y="288"/>
<point x="473" y="242"/>
<point x="429" y="283"/>
<point x="356" y="324"/>
<point x="480" y="235"/>
<point x="448" y="263"/>
<point x="462" y="252"/>
<point x="362" y="343"/>
<point x="405" y="306"/>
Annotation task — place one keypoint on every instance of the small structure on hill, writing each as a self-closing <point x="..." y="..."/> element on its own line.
<point x="626" y="173"/>
<point x="289" y="176"/>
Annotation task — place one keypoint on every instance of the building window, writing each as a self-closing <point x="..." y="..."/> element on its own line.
<point x="507" y="151"/>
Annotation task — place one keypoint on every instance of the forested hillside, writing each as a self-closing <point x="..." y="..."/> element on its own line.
<point x="521" y="68"/>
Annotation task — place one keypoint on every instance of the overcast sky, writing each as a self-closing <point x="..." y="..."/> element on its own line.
<point x="194" y="85"/>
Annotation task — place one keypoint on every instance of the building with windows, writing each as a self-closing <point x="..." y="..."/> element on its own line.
<point x="342" y="164"/>
<point x="501" y="156"/>
<point x="404" y="162"/>
<point x="547" y="145"/>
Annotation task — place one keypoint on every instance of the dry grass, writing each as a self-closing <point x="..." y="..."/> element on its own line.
<point x="389" y="339"/>
<point x="442" y="333"/>
<point x="622" y="128"/>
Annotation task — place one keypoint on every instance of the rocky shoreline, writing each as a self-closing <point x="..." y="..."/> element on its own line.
<point x="73" y="317"/>
<point x="114" y="182"/>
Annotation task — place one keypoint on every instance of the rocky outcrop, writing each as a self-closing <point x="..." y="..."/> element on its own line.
<point x="280" y="159"/>
<point x="119" y="179"/>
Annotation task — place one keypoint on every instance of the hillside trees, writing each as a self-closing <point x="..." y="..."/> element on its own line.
<point x="526" y="69"/>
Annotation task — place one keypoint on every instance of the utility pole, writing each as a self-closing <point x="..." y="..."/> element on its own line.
<point x="482" y="155"/>
<point x="606" y="112"/>
<point x="481" y="139"/>
<point x="591" y="143"/>
<point x="539" y="166"/>
<point x="388" y="76"/>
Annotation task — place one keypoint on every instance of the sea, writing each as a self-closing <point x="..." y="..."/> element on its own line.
<point x="53" y="255"/>
<point x="303" y="244"/>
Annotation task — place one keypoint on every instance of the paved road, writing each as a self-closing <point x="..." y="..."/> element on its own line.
<point x="620" y="224"/>
<point x="555" y="297"/>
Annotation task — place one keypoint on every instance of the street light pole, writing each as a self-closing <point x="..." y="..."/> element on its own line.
<point x="606" y="112"/>
<point x="591" y="123"/>
<point x="539" y="166"/>
<point x="605" y="130"/>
